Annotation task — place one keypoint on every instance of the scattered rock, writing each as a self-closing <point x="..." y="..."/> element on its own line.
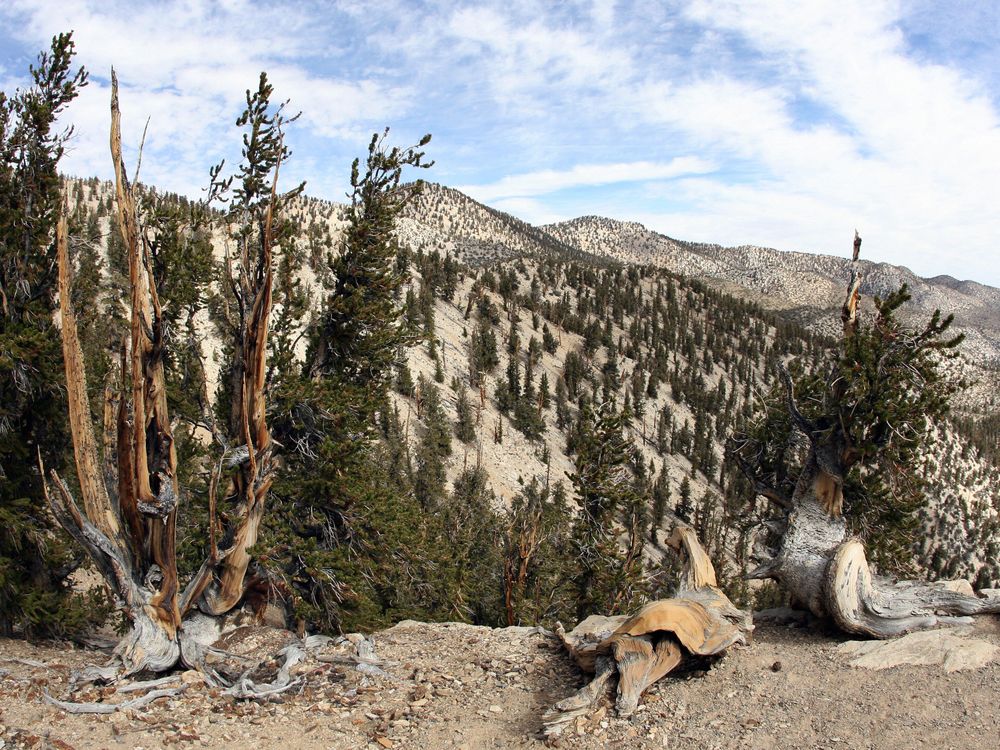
<point x="192" y="677"/>
<point x="951" y="648"/>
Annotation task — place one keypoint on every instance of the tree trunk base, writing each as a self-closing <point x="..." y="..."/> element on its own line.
<point x="879" y="608"/>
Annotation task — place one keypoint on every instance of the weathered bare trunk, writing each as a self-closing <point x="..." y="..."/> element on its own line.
<point x="810" y="539"/>
<point x="641" y="649"/>
<point x="827" y="572"/>
<point x="822" y="568"/>
<point x="132" y="539"/>
<point x="129" y="523"/>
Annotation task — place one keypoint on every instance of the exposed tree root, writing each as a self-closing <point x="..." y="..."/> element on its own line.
<point x="877" y="607"/>
<point x="583" y="702"/>
<point x="110" y="708"/>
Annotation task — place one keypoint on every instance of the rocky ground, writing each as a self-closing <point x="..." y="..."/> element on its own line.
<point x="458" y="686"/>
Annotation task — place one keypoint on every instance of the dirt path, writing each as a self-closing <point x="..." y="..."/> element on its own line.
<point x="457" y="686"/>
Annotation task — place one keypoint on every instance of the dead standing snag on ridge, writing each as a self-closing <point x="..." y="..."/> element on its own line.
<point x="128" y="522"/>
<point x="641" y="649"/>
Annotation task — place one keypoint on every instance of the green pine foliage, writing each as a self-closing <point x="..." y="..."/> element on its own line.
<point x="471" y="533"/>
<point x="465" y="424"/>
<point x="610" y="576"/>
<point x="433" y="448"/>
<point x="339" y="524"/>
<point x="870" y="408"/>
<point x="35" y="558"/>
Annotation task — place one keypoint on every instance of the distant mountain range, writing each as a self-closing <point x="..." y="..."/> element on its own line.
<point x="804" y="287"/>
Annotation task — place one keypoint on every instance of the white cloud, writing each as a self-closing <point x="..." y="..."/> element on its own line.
<point x="186" y="66"/>
<point x="586" y="175"/>
<point x="722" y="120"/>
<point x="911" y="154"/>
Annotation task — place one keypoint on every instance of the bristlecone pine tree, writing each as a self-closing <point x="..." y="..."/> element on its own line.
<point x="35" y="563"/>
<point x="864" y="420"/>
<point x="130" y="506"/>
<point x="610" y="578"/>
<point x="341" y="524"/>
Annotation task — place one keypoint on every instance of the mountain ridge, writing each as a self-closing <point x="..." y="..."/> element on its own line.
<point x="806" y="288"/>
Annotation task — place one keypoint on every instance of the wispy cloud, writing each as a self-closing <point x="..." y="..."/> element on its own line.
<point x="186" y="65"/>
<point x="736" y="121"/>
<point x="586" y="175"/>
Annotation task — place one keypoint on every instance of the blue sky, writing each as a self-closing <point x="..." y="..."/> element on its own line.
<point x="785" y="124"/>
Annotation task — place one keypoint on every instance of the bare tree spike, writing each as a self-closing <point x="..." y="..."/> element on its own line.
<point x="153" y="483"/>
<point x="849" y="312"/>
<point x="96" y="500"/>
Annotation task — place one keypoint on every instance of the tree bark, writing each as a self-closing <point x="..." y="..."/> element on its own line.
<point x="96" y="499"/>
<point x="823" y="569"/>
<point x="129" y="524"/>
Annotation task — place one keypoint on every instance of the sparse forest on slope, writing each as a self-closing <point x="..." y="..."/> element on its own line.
<point x="488" y="394"/>
<point x="464" y="409"/>
<point x="807" y="288"/>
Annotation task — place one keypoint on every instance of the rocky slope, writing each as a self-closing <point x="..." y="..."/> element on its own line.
<point x="717" y="351"/>
<point x="809" y="288"/>
<point x="803" y="287"/>
<point x="451" y="222"/>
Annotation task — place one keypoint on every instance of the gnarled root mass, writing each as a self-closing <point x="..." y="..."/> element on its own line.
<point x="641" y="649"/>
<point x="827" y="572"/>
<point x="244" y="676"/>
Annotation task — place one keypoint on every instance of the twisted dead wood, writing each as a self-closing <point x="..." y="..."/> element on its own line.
<point x="130" y="500"/>
<point x="698" y="621"/>
<point x="824" y="569"/>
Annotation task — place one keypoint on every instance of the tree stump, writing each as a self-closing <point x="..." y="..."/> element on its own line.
<point x="641" y="649"/>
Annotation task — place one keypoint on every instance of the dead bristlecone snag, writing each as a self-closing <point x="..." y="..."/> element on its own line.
<point x="699" y="620"/>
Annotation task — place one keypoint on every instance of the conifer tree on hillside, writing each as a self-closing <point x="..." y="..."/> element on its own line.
<point x="470" y="533"/>
<point x="434" y="446"/>
<point x="34" y="562"/>
<point x="864" y="417"/>
<point x="333" y="497"/>
<point x="610" y="576"/>
<point x="465" y="425"/>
